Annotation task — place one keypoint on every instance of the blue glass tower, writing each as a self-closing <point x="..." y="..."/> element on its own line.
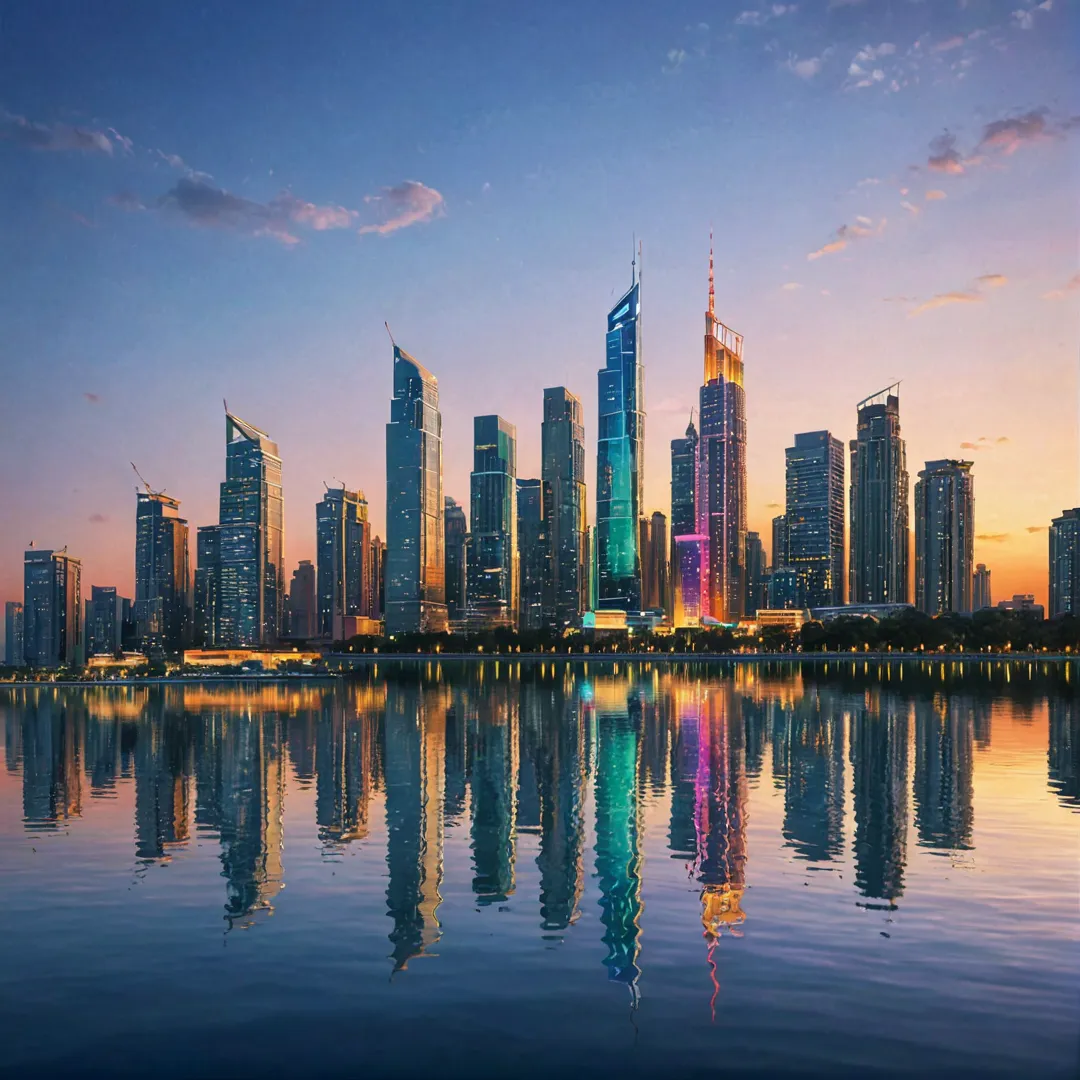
<point x="620" y="458"/>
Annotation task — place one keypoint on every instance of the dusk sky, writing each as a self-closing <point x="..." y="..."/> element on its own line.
<point x="227" y="201"/>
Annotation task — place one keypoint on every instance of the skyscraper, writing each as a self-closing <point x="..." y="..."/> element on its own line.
<point x="879" y="503"/>
<point x="13" y="634"/>
<point x="162" y="573"/>
<point x="620" y="458"/>
<point x="415" y="588"/>
<point x="378" y="577"/>
<point x="534" y="553"/>
<point x="814" y="517"/>
<point x="779" y="542"/>
<point x="493" y="563"/>
<point x="689" y="550"/>
<point x="654" y="549"/>
<point x="981" y="590"/>
<point x="684" y="455"/>
<point x="755" y="573"/>
<point x="456" y="528"/>
<point x="303" y="605"/>
<point x="343" y="544"/>
<point x="1065" y="564"/>
<point x="944" y="537"/>
<point x="241" y="573"/>
<point x="106" y="613"/>
<point x="52" y="609"/>
<point x="562" y="470"/>
<point x="721" y="476"/>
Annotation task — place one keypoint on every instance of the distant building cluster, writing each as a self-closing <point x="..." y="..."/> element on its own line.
<point x="521" y="555"/>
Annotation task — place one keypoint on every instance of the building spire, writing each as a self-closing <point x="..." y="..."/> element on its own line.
<point x="712" y="288"/>
<point x="633" y="262"/>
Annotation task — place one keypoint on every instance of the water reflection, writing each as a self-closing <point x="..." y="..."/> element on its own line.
<point x="521" y="751"/>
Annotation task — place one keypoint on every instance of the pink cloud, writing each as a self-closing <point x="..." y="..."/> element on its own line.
<point x="408" y="203"/>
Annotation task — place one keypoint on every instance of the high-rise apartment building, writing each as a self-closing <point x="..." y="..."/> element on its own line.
<point x="534" y="554"/>
<point x="721" y="477"/>
<point x="106" y="613"/>
<point x="944" y="537"/>
<point x="981" y="596"/>
<point x="456" y="530"/>
<point x="620" y="458"/>
<point x="343" y="550"/>
<point x="562" y="470"/>
<point x="415" y="585"/>
<point x="654" y="562"/>
<point x="1065" y="564"/>
<point x="52" y="609"/>
<point x="493" y="548"/>
<point x="755" y="573"/>
<point x="303" y="602"/>
<point x="814" y="517"/>
<point x="13" y="634"/>
<point x="879" y="503"/>
<point x="162" y="608"/>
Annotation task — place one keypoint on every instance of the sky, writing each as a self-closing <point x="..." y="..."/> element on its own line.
<point x="201" y="203"/>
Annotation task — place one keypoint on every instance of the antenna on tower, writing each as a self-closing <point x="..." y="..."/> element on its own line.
<point x="712" y="286"/>
<point x="226" y="404"/>
<point x="149" y="489"/>
<point x="633" y="260"/>
<point x="391" y="336"/>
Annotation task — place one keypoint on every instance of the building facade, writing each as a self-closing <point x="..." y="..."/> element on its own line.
<point x="343" y="551"/>
<point x="303" y="602"/>
<point x="162" y="607"/>
<point x="779" y="542"/>
<point x="534" y="554"/>
<point x="415" y="585"/>
<point x="456" y="531"/>
<point x="493" y="548"/>
<point x="944" y="537"/>
<point x="721" y="475"/>
<point x="13" y="634"/>
<point x="562" y="470"/>
<point x="755" y="573"/>
<point x="52" y="609"/>
<point x="620" y="458"/>
<point x="981" y="596"/>
<point x="655" y="562"/>
<point x="690" y="572"/>
<point x="1065" y="564"/>
<point x="879" y="504"/>
<point x="106" y="613"/>
<point x="814" y="517"/>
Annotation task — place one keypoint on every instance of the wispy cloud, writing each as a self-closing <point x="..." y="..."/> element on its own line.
<point x="984" y="442"/>
<point x="764" y="15"/>
<point x="992" y="281"/>
<point x="98" y="519"/>
<point x="944" y="300"/>
<point x="790" y="286"/>
<point x="1070" y="286"/>
<point x="122" y="141"/>
<point x="37" y="136"/>
<point x="91" y="397"/>
<point x="911" y="208"/>
<point x="1037" y="528"/>
<point x="948" y="44"/>
<point x="675" y="60"/>
<point x="846" y="234"/>
<point x="934" y="194"/>
<point x="944" y="157"/>
<point x="992" y="538"/>
<point x="409" y="203"/>
<point x="1010" y="134"/>
<point x="1024" y="18"/>
<point x="807" y="67"/>
<point x="773" y="506"/>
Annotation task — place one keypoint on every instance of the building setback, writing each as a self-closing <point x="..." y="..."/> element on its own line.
<point x="1065" y="564"/>
<point x="343" y="548"/>
<point x="562" y="470"/>
<point x="814" y="517"/>
<point x="534" y="554"/>
<point x="944" y="537"/>
<point x="415" y="584"/>
<point x="879" y="503"/>
<point x="52" y="609"/>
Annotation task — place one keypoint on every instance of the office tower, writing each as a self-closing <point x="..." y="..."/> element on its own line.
<point x="814" y="516"/>
<point x="343" y="547"/>
<point x="562" y="470"/>
<point x="493" y="562"/>
<point x="378" y="577"/>
<point x="534" y="553"/>
<point x="784" y="589"/>
<point x="722" y="465"/>
<point x="303" y="602"/>
<point x="755" y="573"/>
<point x="653" y="544"/>
<point x="1065" y="564"/>
<point x="162" y="573"/>
<point x="594" y="574"/>
<point x="415" y="589"/>
<point x="106" y="613"/>
<point x="981" y="589"/>
<point x="52" y="609"/>
<point x="944" y="537"/>
<point x="684" y="453"/>
<point x="207" y="585"/>
<point x="620" y="458"/>
<point x="779" y="542"/>
<point x="456" y="529"/>
<point x="879" y="503"/>
<point x="13" y="634"/>
<point x="690" y="571"/>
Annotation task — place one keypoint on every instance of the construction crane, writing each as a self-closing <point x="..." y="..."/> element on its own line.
<point x="149" y="489"/>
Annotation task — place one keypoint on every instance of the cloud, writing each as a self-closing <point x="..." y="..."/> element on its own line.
<point x="790" y="286"/>
<point x="992" y="538"/>
<point x="805" y="69"/>
<point x="846" y="234"/>
<point x="173" y="160"/>
<point x="36" y="136"/>
<point x="868" y="181"/>
<point x="202" y="203"/>
<point x="911" y="208"/>
<point x="1037" y="528"/>
<point x="944" y="299"/>
<point x="319" y="218"/>
<point x="773" y="506"/>
<point x="409" y="203"/>
<point x="127" y="200"/>
<point x="98" y="519"/>
<point x="760" y="18"/>
<point x="984" y="442"/>
<point x="675" y="60"/>
<point x="1070" y="286"/>
<point x="868" y="53"/>
<point x="123" y="141"/>
<point x="92" y="398"/>
<point x="935" y="194"/>
<point x="948" y="44"/>
<point x="844" y="3"/>
<point x="992" y="281"/>
<point x="944" y="157"/>
<point x="970" y="446"/>
<point x="1010" y="134"/>
<point x="1002" y="439"/>
<point x="1024" y="19"/>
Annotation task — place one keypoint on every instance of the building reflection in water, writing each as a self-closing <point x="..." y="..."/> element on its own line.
<point x="164" y="770"/>
<point x="346" y="767"/>
<point x="1063" y="756"/>
<point x="944" y="760"/>
<point x="53" y="741"/>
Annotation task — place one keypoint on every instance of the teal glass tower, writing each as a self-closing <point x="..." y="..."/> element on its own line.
<point x="620" y="458"/>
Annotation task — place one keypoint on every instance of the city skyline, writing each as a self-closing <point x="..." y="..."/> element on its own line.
<point x="307" y="315"/>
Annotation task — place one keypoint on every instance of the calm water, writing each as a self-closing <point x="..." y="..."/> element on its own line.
<point x="497" y="870"/>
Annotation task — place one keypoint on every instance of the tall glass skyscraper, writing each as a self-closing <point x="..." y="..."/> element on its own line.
<point x="620" y="458"/>
<point x="162" y="574"/>
<point x="456" y="527"/>
<point x="52" y="609"/>
<point x="1065" y="564"/>
<point x="815" y="517"/>
<point x="944" y="537"/>
<point x="343" y="546"/>
<point x="684" y="454"/>
<point x="534" y="553"/>
<point x="415" y="588"/>
<point x="879" y="503"/>
<point x="493" y="563"/>
<point x="562" y="452"/>
<point x="241" y="572"/>
<point x="106" y="613"/>
<point x="13" y="634"/>
<point x="721" y="477"/>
